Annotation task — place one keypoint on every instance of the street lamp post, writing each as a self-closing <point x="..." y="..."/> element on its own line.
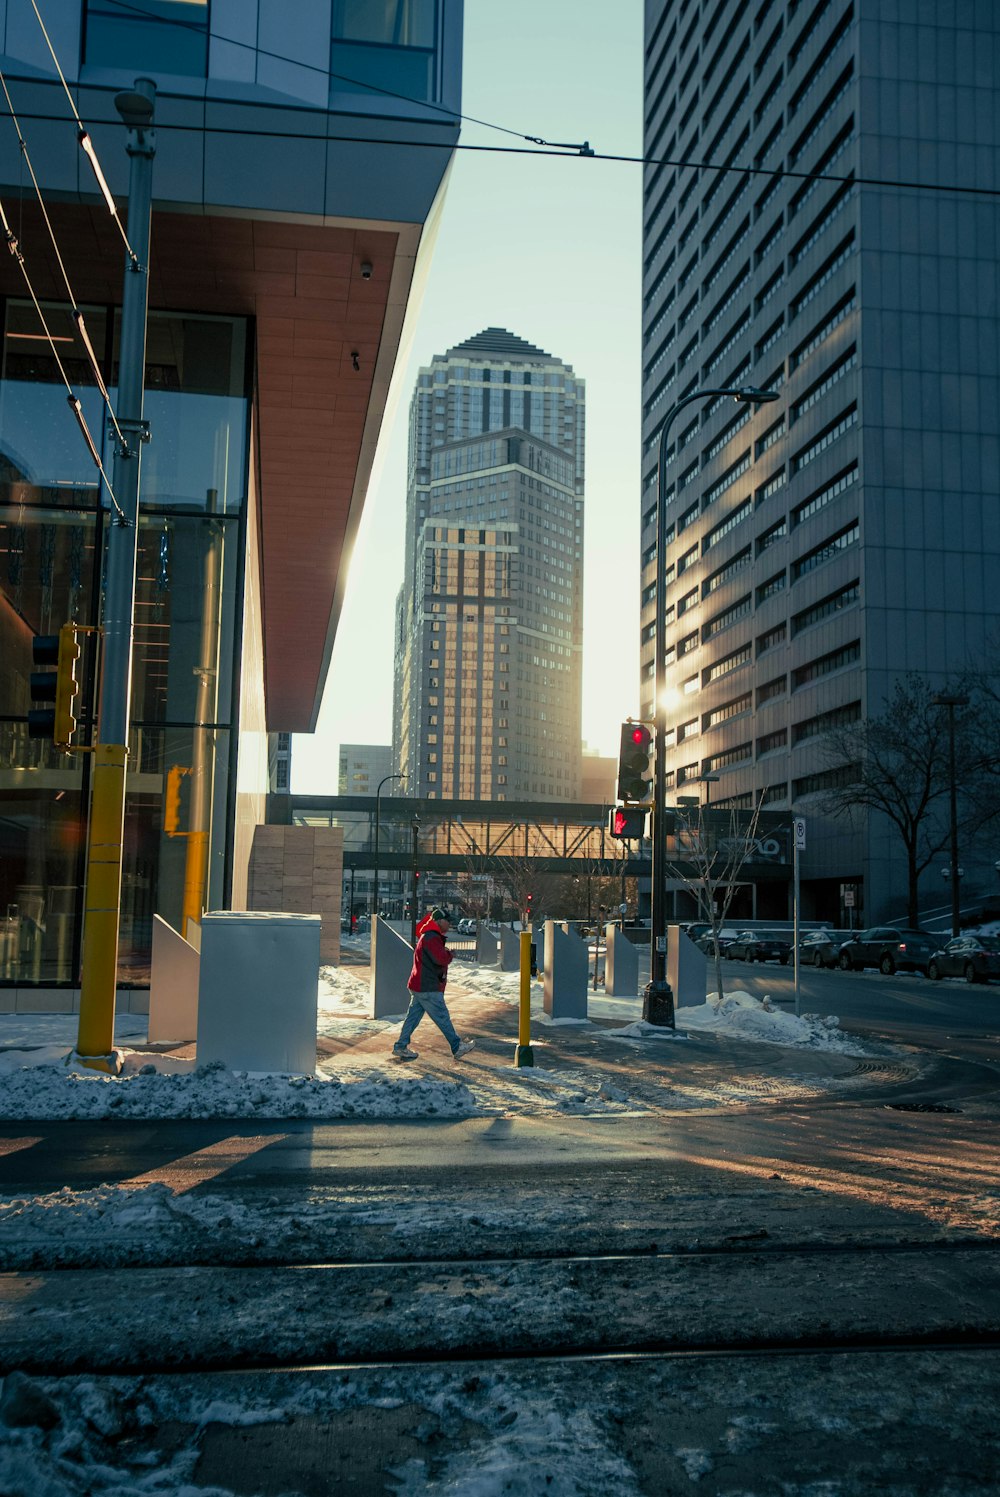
<point x="415" y="828"/>
<point x="384" y="781"/>
<point x="951" y="700"/>
<point x="658" y="1000"/>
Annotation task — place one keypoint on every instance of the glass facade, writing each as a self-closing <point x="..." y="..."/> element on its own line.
<point x="52" y="528"/>
<point x="169" y="35"/>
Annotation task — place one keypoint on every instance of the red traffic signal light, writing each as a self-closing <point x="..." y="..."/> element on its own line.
<point x="633" y="763"/>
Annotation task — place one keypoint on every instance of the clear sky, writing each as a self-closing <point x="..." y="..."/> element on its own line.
<point x="550" y="249"/>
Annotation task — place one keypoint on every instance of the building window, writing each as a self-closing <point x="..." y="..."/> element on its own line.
<point x="172" y="37"/>
<point x="824" y="665"/>
<point x="825" y="722"/>
<point x="770" y="742"/>
<point x="825" y="550"/>
<point x="772" y="689"/>
<point x="826" y="607"/>
<point x="389" y="45"/>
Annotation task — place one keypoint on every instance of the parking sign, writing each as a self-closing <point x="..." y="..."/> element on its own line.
<point x="799" y="826"/>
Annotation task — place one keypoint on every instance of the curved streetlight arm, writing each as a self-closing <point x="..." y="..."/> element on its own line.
<point x="658" y="954"/>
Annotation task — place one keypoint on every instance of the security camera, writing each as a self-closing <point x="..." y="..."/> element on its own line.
<point x="366" y="270"/>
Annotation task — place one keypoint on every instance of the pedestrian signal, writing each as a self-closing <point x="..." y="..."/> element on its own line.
<point x="627" y="823"/>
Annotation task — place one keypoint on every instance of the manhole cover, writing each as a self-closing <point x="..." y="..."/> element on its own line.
<point x="920" y="1107"/>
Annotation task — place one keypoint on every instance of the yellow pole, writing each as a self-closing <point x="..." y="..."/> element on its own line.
<point x="95" y="1036"/>
<point x="523" y="1055"/>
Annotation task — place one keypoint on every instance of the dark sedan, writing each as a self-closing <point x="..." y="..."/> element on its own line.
<point x="760" y="946"/>
<point x="890" y="948"/>
<point x="821" y="948"/>
<point x="976" y="958"/>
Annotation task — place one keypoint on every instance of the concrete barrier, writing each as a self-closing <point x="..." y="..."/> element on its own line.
<point x="567" y="968"/>
<point x="510" y="950"/>
<point x="621" y="964"/>
<point x="487" y="947"/>
<point x="258" y="990"/>
<point x="391" y="964"/>
<point x="687" y="969"/>
<point x="173" y="984"/>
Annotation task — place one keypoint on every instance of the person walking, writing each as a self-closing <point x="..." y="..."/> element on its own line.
<point x="426" y="982"/>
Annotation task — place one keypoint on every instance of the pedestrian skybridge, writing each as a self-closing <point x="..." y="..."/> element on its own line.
<point x="481" y="837"/>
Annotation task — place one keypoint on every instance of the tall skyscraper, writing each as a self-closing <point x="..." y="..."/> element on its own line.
<point x="489" y="619"/>
<point x="821" y="546"/>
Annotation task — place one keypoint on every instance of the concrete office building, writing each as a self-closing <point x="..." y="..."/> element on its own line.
<point x="821" y="546"/>
<point x="363" y="766"/>
<point x="286" y="246"/>
<point x="489" y="619"/>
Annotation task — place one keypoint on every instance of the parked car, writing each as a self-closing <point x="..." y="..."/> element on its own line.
<point x="466" y="927"/>
<point x="976" y="958"/>
<point x="821" y="948"/>
<point x="760" y="946"/>
<point x="706" y="943"/>
<point x="695" y="929"/>
<point x="889" y="948"/>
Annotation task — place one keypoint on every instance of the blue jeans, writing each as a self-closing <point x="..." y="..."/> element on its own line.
<point x="434" y="1006"/>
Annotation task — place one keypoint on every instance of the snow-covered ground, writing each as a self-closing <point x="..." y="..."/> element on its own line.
<point x="42" y="1081"/>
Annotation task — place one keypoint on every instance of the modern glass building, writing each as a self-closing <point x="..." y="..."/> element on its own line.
<point x="489" y="620"/>
<point x="286" y="235"/>
<point x="824" y="545"/>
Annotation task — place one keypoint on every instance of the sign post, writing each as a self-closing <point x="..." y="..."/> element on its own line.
<point x="798" y="845"/>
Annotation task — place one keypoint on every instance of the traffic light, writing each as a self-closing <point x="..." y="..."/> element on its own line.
<point x="527" y="910"/>
<point x="59" y="687"/>
<point x="627" y="823"/>
<point x="633" y="763"/>
<point x="42" y="720"/>
<point x="67" y="686"/>
<point x="172" y="801"/>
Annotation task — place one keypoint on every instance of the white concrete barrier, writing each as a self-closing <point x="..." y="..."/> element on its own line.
<point x="567" y="967"/>
<point x="391" y="963"/>
<point x="621" y="964"/>
<point x="173" y="984"/>
<point x="258" y="990"/>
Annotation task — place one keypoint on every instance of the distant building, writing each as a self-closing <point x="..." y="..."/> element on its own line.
<point x="279" y="763"/>
<point x="363" y="766"/>
<point x="489" y="621"/>
<point x="598" y="773"/>
<point x="823" y="545"/>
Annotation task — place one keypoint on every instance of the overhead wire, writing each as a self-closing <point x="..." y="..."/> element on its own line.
<point x="550" y="148"/>
<point x="85" y="140"/>
<point x="14" y="246"/>
<point x="78" y="316"/>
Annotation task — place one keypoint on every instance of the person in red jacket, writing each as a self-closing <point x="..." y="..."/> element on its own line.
<point x="426" y="983"/>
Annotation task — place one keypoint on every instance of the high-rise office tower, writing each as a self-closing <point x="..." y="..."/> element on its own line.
<point x="821" y="546"/>
<point x="487" y="688"/>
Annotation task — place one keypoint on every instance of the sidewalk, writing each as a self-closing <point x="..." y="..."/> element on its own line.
<point x="741" y="1052"/>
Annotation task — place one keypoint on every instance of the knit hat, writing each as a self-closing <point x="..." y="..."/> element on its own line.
<point x="439" y="913"/>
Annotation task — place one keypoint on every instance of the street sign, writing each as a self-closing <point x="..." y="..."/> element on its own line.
<point x="799" y="827"/>
<point x="848" y="899"/>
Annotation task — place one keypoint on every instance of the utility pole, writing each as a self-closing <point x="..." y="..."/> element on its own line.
<point x="95" y="1038"/>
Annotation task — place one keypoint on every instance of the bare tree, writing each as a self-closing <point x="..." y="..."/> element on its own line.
<point x="897" y="764"/>
<point x="712" y="851"/>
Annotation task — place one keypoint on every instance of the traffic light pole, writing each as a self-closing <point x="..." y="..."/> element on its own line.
<point x="658" y="999"/>
<point x="95" y="1039"/>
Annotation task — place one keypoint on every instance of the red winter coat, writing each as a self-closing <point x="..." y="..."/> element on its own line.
<point x="430" y="959"/>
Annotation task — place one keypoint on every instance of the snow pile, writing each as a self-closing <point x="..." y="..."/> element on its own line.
<point x="747" y="1018"/>
<point x="55" y="1091"/>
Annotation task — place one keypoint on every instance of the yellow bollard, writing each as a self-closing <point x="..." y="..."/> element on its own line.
<point x="96" y="1033"/>
<point x="523" y="1055"/>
